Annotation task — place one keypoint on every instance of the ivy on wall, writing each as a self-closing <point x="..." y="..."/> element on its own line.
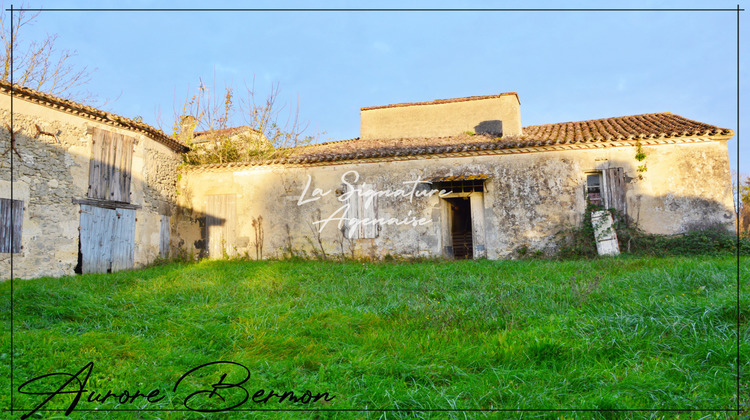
<point x="640" y="156"/>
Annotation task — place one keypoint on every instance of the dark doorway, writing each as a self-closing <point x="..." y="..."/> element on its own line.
<point x="460" y="214"/>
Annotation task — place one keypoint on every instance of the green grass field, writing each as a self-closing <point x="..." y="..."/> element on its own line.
<point x="626" y="333"/>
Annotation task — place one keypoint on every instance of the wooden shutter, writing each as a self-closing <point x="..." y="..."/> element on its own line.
<point x="359" y="210"/>
<point x="110" y="167"/>
<point x="126" y="167"/>
<point x="113" y="180"/>
<point x="220" y="224"/>
<point x="96" y="164"/>
<point x="106" y="166"/>
<point x="353" y="231"/>
<point x="604" y="233"/>
<point x="615" y="190"/>
<point x="11" y="221"/>
<point x="164" y="237"/>
<point x="369" y="212"/>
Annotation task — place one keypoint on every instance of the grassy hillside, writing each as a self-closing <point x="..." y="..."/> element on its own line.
<point x="651" y="333"/>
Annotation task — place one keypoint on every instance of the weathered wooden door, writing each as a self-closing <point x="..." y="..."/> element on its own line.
<point x="107" y="239"/>
<point x="164" y="230"/>
<point x="615" y="190"/>
<point x="220" y="224"/>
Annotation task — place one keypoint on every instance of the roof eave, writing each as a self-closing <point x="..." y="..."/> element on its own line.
<point x="94" y="114"/>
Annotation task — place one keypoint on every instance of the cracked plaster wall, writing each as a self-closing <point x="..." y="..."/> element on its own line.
<point x="529" y="198"/>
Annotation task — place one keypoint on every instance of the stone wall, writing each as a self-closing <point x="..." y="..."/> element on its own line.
<point x="527" y="200"/>
<point x="52" y="172"/>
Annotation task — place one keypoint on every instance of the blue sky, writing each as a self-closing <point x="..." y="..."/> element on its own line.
<point x="565" y="66"/>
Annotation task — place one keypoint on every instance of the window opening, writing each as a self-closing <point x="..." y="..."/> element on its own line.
<point x="594" y="189"/>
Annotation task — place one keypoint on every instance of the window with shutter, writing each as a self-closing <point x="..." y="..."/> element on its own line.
<point x="11" y="220"/>
<point x="607" y="189"/>
<point x="594" y="189"/>
<point x="361" y="215"/>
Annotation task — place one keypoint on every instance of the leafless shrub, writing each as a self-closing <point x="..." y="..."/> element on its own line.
<point x="37" y="64"/>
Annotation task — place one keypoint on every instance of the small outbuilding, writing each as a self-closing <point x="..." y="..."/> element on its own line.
<point x="91" y="192"/>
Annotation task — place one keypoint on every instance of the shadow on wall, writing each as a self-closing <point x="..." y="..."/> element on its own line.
<point x="201" y="234"/>
<point x="670" y="214"/>
<point x="490" y="127"/>
<point x="66" y="177"/>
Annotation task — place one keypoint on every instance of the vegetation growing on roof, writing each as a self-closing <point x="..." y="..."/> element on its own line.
<point x="267" y="136"/>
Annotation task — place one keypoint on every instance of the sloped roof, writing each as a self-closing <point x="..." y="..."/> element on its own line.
<point x="595" y="133"/>
<point x="440" y="101"/>
<point x="643" y="126"/>
<point x="91" y="113"/>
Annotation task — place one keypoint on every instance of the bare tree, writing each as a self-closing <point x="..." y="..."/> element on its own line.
<point x="37" y="64"/>
<point x="209" y="110"/>
<point x="266" y="116"/>
<point x="214" y="110"/>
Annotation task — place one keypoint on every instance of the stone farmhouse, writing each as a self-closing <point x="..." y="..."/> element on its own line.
<point x="456" y="178"/>
<point x="92" y="191"/>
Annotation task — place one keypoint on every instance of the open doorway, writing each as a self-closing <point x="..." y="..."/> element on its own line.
<point x="462" y="215"/>
<point x="460" y="227"/>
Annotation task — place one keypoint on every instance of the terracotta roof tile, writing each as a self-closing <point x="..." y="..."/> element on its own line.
<point x="623" y="128"/>
<point x="92" y="113"/>
<point x="646" y="126"/>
